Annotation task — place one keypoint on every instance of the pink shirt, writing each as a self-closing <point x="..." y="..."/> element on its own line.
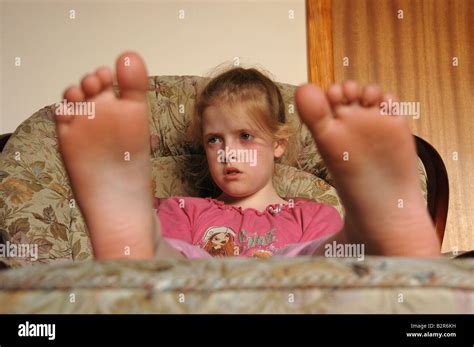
<point x="206" y="227"/>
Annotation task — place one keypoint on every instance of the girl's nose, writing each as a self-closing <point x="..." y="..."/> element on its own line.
<point x="230" y="150"/>
<point x="229" y="158"/>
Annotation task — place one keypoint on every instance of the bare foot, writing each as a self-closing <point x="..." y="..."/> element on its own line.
<point x="107" y="158"/>
<point x="372" y="159"/>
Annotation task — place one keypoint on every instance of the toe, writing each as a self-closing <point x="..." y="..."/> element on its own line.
<point x="91" y="85"/>
<point x="105" y="76"/>
<point x="73" y="94"/>
<point x="351" y="91"/>
<point x="132" y="76"/>
<point x="371" y="95"/>
<point x="313" y="108"/>
<point x="335" y="95"/>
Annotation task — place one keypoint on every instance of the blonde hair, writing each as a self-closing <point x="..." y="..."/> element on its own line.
<point x="262" y="98"/>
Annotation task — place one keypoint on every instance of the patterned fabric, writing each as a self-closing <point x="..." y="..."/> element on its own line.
<point x="243" y="285"/>
<point x="36" y="202"/>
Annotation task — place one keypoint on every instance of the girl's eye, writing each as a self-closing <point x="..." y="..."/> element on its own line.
<point x="212" y="139"/>
<point x="246" y="136"/>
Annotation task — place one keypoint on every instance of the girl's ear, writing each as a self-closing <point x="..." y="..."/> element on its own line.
<point x="280" y="147"/>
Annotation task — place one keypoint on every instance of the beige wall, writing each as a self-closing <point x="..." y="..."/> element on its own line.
<point x="56" y="51"/>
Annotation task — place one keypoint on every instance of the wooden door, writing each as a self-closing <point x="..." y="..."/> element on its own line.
<point x="421" y="51"/>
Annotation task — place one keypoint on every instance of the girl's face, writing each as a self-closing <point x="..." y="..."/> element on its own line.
<point x="220" y="239"/>
<point x="232" y="142"/>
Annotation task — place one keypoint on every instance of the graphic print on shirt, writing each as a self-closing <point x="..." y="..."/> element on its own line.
<point x="219" y="242"/>
<point x="254" y="240"/>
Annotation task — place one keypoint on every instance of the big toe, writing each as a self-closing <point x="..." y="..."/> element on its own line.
<point x="132" y="76"/>
<point x="313" y="108"/>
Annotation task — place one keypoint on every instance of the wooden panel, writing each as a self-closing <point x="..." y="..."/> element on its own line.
<point x="413" y="57"/>
<point x="319" y="36"/>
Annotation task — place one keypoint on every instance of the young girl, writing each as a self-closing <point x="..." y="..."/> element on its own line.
<point x="241" y="125"/>
<point x="240" y="116"/>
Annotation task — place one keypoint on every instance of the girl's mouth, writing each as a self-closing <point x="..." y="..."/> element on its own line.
<point x="232" y="172"/>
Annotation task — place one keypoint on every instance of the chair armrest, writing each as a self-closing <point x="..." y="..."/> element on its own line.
<point x="437" y="184"/>
<point x="3" y="140"/>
